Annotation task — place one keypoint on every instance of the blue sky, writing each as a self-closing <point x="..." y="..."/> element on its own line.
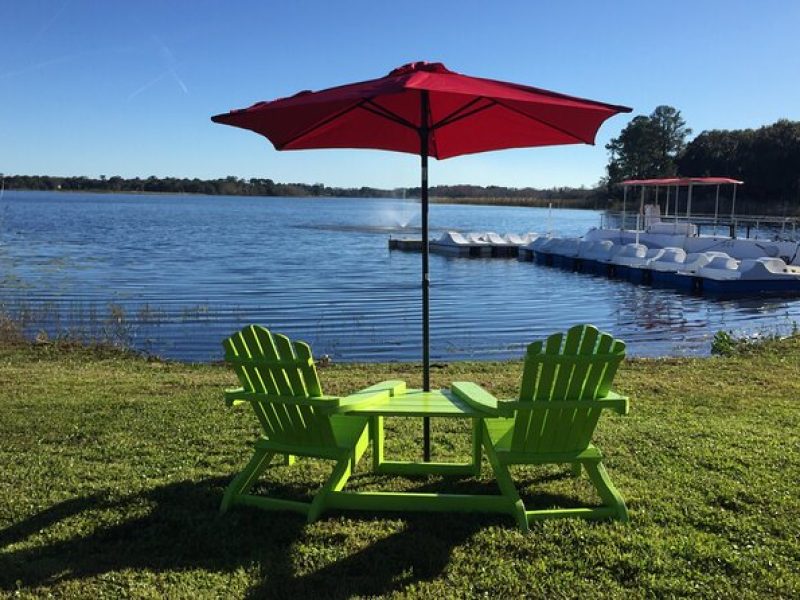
<point x="91" y="87"/>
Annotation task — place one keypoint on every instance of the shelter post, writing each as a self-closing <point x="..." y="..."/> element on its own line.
<point x="656" y="201"/>
<point x="689" y="203"/>
<point x="624" y="202"/>
<point x="733" y="212"/>
<point x="641" y="202"/>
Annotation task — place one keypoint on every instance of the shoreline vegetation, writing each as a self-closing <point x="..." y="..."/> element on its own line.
<point x="598" y="198"/>
<point x="233" y="186"/>
<point x="572" y="203"/>
<point x="575" y="203"/>
<point x="114" y="466"/>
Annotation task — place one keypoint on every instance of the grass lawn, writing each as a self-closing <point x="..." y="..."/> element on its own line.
<point x="113" y="468"/>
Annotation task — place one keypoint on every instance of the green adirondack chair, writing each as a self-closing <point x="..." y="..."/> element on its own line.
<point x="566" y="384"/>
<point x="279" y="380"/>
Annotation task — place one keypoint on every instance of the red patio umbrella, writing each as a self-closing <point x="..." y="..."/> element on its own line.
<point x="424" y="108"/>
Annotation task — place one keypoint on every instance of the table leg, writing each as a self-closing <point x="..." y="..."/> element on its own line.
<point x="401" y="467"/>
<point x="476" y="446"/>
<point x="376" y="432"/>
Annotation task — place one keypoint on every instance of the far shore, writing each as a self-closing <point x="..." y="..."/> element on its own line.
<point x="574" y="203"/>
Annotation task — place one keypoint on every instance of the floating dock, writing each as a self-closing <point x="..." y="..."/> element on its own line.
<point x="710" y="272"/>
<point x="736" y="267"/>
<point x="471" y="244"/>
<point x="407" y="244"/>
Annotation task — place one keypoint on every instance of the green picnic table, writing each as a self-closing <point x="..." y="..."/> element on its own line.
<point x="418" y="403"/>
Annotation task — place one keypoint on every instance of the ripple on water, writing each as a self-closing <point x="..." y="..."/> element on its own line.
<point x="174" y="275"/>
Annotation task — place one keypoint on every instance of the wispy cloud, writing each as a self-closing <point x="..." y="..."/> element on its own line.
<point x="49" y="23"/>
<point x="171" y="63"/>
<point x="41" y="65"/>
<point x="147" y="85"/>
<point x="26" y="48"/>
<point x="170" y="70"/>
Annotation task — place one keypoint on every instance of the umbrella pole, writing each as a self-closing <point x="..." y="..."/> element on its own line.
<point x="426" y="332"/>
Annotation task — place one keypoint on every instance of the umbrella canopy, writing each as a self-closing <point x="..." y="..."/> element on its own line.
<point x="425" y="109"/>
<point x="463" y="115"/>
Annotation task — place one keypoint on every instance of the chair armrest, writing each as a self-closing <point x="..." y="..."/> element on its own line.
<point x="476" y="397"/>
<point x="612" y="401"/>
<point x="619" y="404"/>
<point x="238" y="396"/>
<point x="507" y="408"/>
<point x="395" y="387"/>
<point x="370" y="397"/>
<point x="233" y="396"/>
<point x="375" y="395"/>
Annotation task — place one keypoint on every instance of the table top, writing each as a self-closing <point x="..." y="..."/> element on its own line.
<point x="417" y="403"/>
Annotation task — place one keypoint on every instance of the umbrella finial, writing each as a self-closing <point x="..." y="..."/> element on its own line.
<point x="414" y="67"/>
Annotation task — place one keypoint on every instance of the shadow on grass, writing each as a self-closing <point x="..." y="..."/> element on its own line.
<point x="176" y="527"/>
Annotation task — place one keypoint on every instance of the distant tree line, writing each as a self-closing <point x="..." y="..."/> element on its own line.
<point x="767" y="159"/>
<point x="234" y="186"/>
<point x="229" y="186"/>
<point x="496" y="192"/>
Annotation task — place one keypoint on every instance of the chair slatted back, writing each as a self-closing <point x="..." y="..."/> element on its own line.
<point x="273" y="365"/>
<point x="577" y="366"/>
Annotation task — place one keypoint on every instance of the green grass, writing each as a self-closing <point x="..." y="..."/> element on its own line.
<point x="113" y="468"/>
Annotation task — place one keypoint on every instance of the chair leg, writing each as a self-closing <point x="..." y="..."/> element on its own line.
<point x="505" y="483"/>
<point x="289" y="459"/>
<point x="602" y="482"/>
<point x="245" y="480"/>
<point x="336" y="481"/>
<point x="341" y="473"/>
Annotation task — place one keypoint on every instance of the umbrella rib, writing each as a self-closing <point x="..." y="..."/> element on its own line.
<point x="545" y="123"/>
<point x="316" y="126"/>
<point x="463" y="113"/>
<point x="376" y="109"/>
<point x="367" y="104"/>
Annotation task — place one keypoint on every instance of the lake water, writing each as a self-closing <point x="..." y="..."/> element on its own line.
<point x="174" y="275"/>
